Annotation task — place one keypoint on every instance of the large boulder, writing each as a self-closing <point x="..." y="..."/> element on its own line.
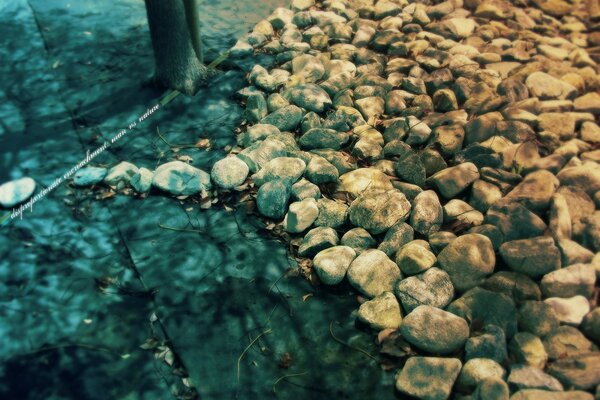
<point x="377" y="211"/>
<point x="323" y="138"/>
<point x="260" y="153"/>
<point x="382" y="312"/>
<point x="287" y="168"/>
<point x="578" y="372"/>
<point x="434" y="330"/>
<point x="487" y="308"/>
<point x="566" y="341"/>
<point x="585" y="177"/>
<point x="576" y="279"/>
<point x="538" y="318"/>
<point x="285" y="119"/>
<point x="332" y="264"/>
<point x="427" y="214"/>
<point x="229" y="172"/>
<point x="545" y="86"/>
<point x="528" y="377"/>
<point x="301" y="215"/>
<point x="451" y="181"/>
<point x="309" y="96"/>
<point x="432" y="288"/>
<point x="373" y="273"/>
<point x="428" y="377"/>
<point x="533" y="257"/>
<point x="317" y="239"/>
<point x="357" y="181"/>
<point x="515" y="221"/>
<point x="88" y="176"/>
<point x="535" y="191"/>
<point x="332" y="213"/>
<point x="180" y="179"/>
<point x="468" y="259"/>
<point x="120" y="175"/>
<point x="142" y="181"/>
<point x="571" y="310"/>
<point x="396" y="237"/>
<point x="476" y="370"/>
<point x="413" y="258"/>
<point x="272" y="198"/>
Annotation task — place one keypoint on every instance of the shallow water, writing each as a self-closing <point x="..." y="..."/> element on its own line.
<point x="82" y="279"/>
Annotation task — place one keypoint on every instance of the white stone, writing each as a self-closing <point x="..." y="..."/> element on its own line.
<point x="16" y="192"/>
<point x="569" y="311"/>
<point x="181" y="179"/>
<point x="301" y="215"/>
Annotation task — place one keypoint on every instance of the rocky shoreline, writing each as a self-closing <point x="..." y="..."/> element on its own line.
<point x="442" y="160"/>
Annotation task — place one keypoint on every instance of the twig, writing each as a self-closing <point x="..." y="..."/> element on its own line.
<point x="169" y="97"/>
<point x="347" y="345"/>
<point x="248" y="348"/>
<point x="172" y="228"/>
<point x="180" y="146"/>
<point x="222" y="57"/>
<point x="285" y="377"/>
<point x="67" y="345"/>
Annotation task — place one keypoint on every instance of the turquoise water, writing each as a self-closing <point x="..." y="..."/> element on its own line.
<point x="86" y="280"/>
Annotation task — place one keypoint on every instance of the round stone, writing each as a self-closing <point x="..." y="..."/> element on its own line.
<point x="229" y="172"/>
<point x="331" y="264"/>
<point x="373" y="273"/>
<point x="468" y="260"/>
<point x="377" y="211"/>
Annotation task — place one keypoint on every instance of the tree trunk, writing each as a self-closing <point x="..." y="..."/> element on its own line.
<point x="175" y="33"/>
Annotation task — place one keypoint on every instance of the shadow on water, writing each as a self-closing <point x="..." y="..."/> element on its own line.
<point x="67" y="332"/>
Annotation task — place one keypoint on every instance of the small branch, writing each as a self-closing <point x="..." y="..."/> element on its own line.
<point x="171" y="228"/>
<point x="285" y="377"/>
<point x="179" y="146"/>
<point x="248" y="348"/>
<point x="169" y="97"/>
<point x="68" y="345"/>
<point x="222" y="57"/>
<point x="340" y="341"/>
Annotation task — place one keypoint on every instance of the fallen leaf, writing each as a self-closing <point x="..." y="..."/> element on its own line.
<point x="307" y="296"/>
<point x="381" y="336"/>
<point x="395" y="346"/>
<point x="203" y="144"/>
<point x="184" y="158"/>
<point x="286" y="360"/>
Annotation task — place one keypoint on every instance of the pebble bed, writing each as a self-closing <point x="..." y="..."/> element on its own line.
<point x="441" y="159"/>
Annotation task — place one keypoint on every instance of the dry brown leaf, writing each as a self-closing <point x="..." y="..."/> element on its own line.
<point x="382" y="335"/>
<point x="203" y="144"/>
<point x="307" y="296"/>
<point x="185" y="158"/>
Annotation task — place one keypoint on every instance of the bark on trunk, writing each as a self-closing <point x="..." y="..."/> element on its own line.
<point x="175" y="34"/>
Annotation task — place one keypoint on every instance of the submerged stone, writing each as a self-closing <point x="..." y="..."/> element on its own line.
<point x="89" y="176"/>
<point x="181" y="179"/>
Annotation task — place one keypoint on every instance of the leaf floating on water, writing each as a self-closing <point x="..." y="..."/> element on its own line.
<point x="381" y="336"/>
<point x="106" y="195"/>
<point x="395" y="346"/>
<point x="149" y="344"/>
<point x="203" y="144"/>
<point x="286" y="360"/>
<point x="184" y="158"/>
